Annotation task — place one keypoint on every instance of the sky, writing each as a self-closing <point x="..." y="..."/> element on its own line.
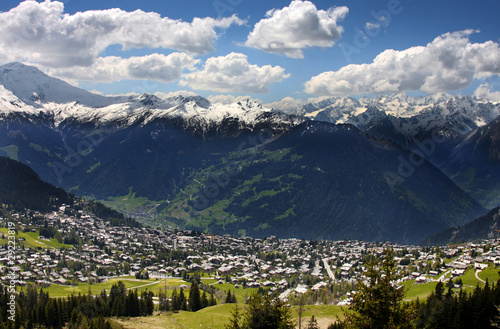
<point x="283" y="53"/>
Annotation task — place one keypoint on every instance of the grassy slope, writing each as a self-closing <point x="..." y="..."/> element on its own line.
<point x="31" y="240"/>
<point x="422" y="291"/>
<point x="130" y="283"/>
<point x="218" y="316"/>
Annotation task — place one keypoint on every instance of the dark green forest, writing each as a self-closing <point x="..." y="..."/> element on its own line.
<point x="35" y="309"/>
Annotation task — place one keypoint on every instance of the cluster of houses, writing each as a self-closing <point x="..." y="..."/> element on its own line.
<point x="284" y="265"/>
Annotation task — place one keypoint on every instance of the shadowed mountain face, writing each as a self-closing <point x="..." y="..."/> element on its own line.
<point x="21" y="187"/>
<point x="316" y="180"/>
<point x="474" y="164"/>
<point x="442" y="127"/>
<point x="485" y="227"/>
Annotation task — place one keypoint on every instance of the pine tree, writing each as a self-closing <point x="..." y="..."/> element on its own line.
<point x="312" y="324"/>
<point x="204" y="300"/>
<point x="194" y="297"/>
<point x="175" y="301"/>
<point x="234" y="322"/>
<point x="213" y="301"/>
<point x="51" y="314"/>
<point x="164" y="304"/>
<point x="182" y="301"/>
<point x="378" y="303"/>
<point x="230" y="298"/>
<point x="263" y="312"/>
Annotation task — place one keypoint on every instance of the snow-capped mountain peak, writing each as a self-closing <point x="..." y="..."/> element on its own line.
<point x="409" y="115"/>
<point x="35" y="88"/>
<point x="25" y="89"/>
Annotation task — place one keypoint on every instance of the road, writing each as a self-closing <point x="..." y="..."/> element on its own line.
<point x="442" y="277"/>
<point x="329" y="269"/>
<point x="477" y="276"/>
<point x="144" y="285"/>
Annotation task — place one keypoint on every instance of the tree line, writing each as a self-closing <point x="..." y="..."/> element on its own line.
<point x="34" y="309"/>
<point x="179" y="302"/>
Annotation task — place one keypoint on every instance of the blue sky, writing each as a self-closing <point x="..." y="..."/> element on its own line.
<point x="264" y="49"/>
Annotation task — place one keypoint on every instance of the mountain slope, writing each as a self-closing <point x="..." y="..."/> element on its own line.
<point x="21" y="187"/>
<point x="238" y="168"/>
<point x="475" y="164"/>
<point x="485" y="227"/>
<point x="322" y="180"/>
<point x="35" y="88"/>
<point x="434" y="126"/>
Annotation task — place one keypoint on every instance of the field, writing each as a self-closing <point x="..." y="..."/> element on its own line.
<point x="32" y="240"/>
<point x="130" y="283"/>
<point x="218" y="316"/>
<point x="469" y="280"/>
<point x="420" y="291"/>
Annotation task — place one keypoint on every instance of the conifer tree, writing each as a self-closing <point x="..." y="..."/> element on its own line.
<point x="213" y="301"/>
<point x="234" y="322"/>
<point x="182" y="301"/>
<point x="194" y="297"/>
<point x="175" y="301"/>
<point x="263" y="312"/>
<point x="312" y="323"/>
<point x="204" y="300"/>
<point x="378" y="302"/>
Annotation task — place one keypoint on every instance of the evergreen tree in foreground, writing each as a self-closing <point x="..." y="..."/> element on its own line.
<point x="312" y="324"/>
<point x="262" y="312"/>
<point x="194" y="297"/>
<point x="378" y="302"/>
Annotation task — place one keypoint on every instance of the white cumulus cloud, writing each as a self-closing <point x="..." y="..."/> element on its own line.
<point x="298" y="26"/>
<point x="484" y="91"/>
<point x="449" y="62"/>
<point x="372" y="26"/>
<point x="287" y="104"/>
<point x="184" y="93"/>
<point x="233" y="73"/>
<point x="229" y="99"/>
<point x="292" y="105"/>
<point x="155" y="67"/>
<point x="42" y="33"/>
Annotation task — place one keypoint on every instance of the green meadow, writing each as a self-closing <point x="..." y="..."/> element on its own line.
<point x="218" y="316"/>
<point x="32" y="240"/>
<point x="130" y="282"/>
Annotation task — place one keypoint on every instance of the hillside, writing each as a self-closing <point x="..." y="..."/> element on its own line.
<point x="230" y="168"/>
<point x="474" y="164"/>
<point x="321" y="181"/>
<point x="485" y="227"/>
<point x="21" y="187"/>
<point x="442" y="127"/>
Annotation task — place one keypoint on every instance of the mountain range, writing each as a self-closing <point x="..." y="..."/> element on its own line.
<point x="440" y="127"/>
<point x="485" y="227"/>
<point x="247" y="169"/>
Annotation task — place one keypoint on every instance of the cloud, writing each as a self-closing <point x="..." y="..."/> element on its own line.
<point x="155" y="67"/>
<point x="233" y="73"/>
<point x="372" y="26"/>
<point x="229" y="99"/>
<point x="293" y="28"/>
<point x="184" y="93"/>
<point x="42" y="33"/>
<point x="287" y="104"/>
<point x="484" y="91"/>
<point x="292" y="105"/>
<point x="449" y="62"/>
